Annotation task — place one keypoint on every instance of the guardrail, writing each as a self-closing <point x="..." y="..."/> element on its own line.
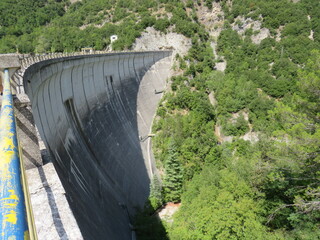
<point x="16" y="217"/>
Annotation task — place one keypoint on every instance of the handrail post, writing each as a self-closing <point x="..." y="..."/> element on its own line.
<point x="13" y="218"/>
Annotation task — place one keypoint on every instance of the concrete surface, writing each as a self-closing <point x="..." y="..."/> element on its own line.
<point x="10" y="60"/>
<point x="54" y="219"/>
<point x="94" y="114"/>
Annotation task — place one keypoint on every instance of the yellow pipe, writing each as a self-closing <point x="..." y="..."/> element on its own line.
<point x="30" y="216"/>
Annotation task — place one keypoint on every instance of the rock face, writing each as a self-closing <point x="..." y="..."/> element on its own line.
<point x="242" y="24"/>
<point x="263" y="33"/>
<point x="155" y="40"/>
<point x="166" y="213"/>
<point x="212" y="19"/>
<point x="94" y="114"/>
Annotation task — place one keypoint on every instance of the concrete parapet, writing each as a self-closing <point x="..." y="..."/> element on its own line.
<point x="26" y="131"/>
<point x="10" y="61"/>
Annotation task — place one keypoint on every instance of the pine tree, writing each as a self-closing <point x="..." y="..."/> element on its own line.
<point x="173" y="175"/>
<point x="155" y="197"/>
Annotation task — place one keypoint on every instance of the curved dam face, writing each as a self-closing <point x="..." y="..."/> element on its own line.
<point x="94" y="114"/>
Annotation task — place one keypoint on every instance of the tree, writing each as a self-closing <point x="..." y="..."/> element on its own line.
<point x="219" y="205"/>
<point x="172" y="184"/>
<point x="310" y="79"/>
<point x="155" y="196"/>
<point x="292" y="186"/>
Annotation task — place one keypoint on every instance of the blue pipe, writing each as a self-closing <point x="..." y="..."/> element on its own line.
<point x="13" y="218"/>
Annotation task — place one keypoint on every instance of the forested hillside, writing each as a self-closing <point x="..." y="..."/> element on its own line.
<point x="238" y="148"/>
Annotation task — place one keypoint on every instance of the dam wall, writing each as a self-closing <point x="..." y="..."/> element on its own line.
<point x="94" y="114"/>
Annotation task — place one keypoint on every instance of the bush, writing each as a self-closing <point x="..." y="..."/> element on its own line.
<point x="238" y="128"/>
<point x="162" y="24"/>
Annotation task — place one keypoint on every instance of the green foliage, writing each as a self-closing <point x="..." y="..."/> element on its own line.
<point x="310" y="81"/>
<point x="20" y="22"/>
<point x="283" y="67"/>
<point x="228" y="41"/>
<point x="233" y="94"/>
<point x="274" y="12"/>
<point x="237" y="128"/>
<point x="45" y="26"/>
<point x="219" y="205"/>
<point x="271" y="169"/>
<point x="297" y="48"/>
<point x="258" y="109"/>
<point x="202" y="55"/>
<point x="292" y="184"/>
<point x="172" y="183"/>
<point x="27" y="15"/>
<point x="192" y="132"/>
<point x="155" y="196"/>
<point x="162" y="24"/>
<point x="189" y="4"/>
<point x="186" y="28"/>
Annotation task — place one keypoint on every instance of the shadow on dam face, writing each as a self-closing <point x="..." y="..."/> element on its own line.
<point x="92" y="112"/>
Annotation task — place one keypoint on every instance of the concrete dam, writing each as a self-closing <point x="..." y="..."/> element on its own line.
<point x="94" y="114"/>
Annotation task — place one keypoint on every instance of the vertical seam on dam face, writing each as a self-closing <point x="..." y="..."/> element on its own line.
<point x="91" y="112"/>
<point x="83" y="88"/>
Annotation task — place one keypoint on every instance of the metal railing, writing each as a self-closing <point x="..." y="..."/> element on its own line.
<point x="16" y="218"/>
